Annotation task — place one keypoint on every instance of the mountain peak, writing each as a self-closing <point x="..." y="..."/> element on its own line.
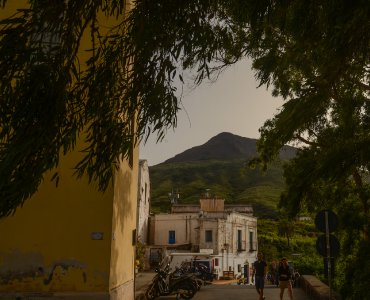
<point x="223" y="146"/>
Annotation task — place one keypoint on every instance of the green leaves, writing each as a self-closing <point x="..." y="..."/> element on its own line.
<point x="48" y="101"/>
<point x="313" y="55"/>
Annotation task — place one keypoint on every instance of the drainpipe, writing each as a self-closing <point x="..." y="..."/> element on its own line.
<point x="190" y="229"/>
<point x="186" y="229"/>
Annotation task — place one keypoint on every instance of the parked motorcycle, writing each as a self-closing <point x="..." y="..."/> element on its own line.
<point x="195" y="280"/>
<point x="165" y="283"/>
<point x="200" y="272"/>
<point x="203" y="272"/>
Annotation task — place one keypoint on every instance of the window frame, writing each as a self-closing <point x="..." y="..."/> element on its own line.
<point x="171" y="237"/>
<point x="208" y="236"/>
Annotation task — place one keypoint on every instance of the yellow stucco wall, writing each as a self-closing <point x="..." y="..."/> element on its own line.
<point x="48" y="244"/>
<point x="52" y="243"/>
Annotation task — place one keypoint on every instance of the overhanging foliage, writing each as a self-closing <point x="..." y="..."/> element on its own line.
<point x="315" y="55"/>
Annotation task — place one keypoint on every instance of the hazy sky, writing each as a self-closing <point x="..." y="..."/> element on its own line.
<point x="231" y="104"/>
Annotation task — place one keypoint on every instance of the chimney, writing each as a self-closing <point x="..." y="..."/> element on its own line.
<point x="212" y="205"/>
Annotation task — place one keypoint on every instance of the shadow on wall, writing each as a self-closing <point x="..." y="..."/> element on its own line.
<point x="123" y="226"/>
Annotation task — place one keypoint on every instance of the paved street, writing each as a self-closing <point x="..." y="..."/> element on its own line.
<point x="224" y="290"/>
<point x="236" y="292"/>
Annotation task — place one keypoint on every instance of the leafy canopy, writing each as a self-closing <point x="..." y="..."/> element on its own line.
<point x="51" y="95"/>
<point x="313" y="54"/>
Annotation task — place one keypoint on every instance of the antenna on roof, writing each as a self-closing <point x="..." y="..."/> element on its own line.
<point x="174" y="197"/>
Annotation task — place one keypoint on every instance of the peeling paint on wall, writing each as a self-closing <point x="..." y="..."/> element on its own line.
<point x="17" y="265"/>
<point x="20" y="271"/>
<point x="62" y="269"/>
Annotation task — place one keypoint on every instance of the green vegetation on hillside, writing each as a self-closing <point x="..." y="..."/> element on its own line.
<point x="231" y="180"/>
<point x="301" y="249"/>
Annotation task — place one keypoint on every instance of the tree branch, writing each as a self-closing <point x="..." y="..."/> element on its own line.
<point x="302" y="139"/>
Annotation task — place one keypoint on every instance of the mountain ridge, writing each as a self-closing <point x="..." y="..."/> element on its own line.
<point x="225" y="146"/>
<point x="220" y="166"/>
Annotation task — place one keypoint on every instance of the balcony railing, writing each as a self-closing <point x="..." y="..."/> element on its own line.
<point x="244" y="246"/>
<point x="240" y="246"/>
<point x="252" y="247"/>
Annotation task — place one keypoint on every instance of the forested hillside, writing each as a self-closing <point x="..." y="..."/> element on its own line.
<point x="231" y="180"/>
<point x="219" y="167"/>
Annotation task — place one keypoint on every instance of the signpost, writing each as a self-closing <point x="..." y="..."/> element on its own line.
<point x="331" y="221"/>
<point x="327" y="245"/>
<point x="321" y="245"/>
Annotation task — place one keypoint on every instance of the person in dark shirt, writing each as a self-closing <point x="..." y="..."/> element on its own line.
<point x="259" y="272"/>
<point x="285" y="279"/>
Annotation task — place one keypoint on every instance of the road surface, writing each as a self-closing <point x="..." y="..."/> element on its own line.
<point x="241" y="292"/>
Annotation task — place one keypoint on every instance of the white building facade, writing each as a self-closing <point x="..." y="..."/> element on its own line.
<point x="143" y="201"/>
<point x="227" y="232"/>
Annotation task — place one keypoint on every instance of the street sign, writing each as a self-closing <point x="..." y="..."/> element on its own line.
<point x="327" y="245"/>
<point x="321" y="246"/>
<point x="332" y="220"/>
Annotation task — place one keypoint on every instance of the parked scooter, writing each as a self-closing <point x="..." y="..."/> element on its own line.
<point x="184" y="269"/>
<point x="203" y="273"/>
<point x="200" y="271"/>
<point x="195" y="281"/>
<point x="165" y="283"/>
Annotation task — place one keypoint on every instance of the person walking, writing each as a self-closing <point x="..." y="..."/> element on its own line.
<point x="285" y="279"/>
<point x="259" y="272"/>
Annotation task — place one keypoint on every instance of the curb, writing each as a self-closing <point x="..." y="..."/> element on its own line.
<point x="142" y="281"/>
<point x="140" y="295"/>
